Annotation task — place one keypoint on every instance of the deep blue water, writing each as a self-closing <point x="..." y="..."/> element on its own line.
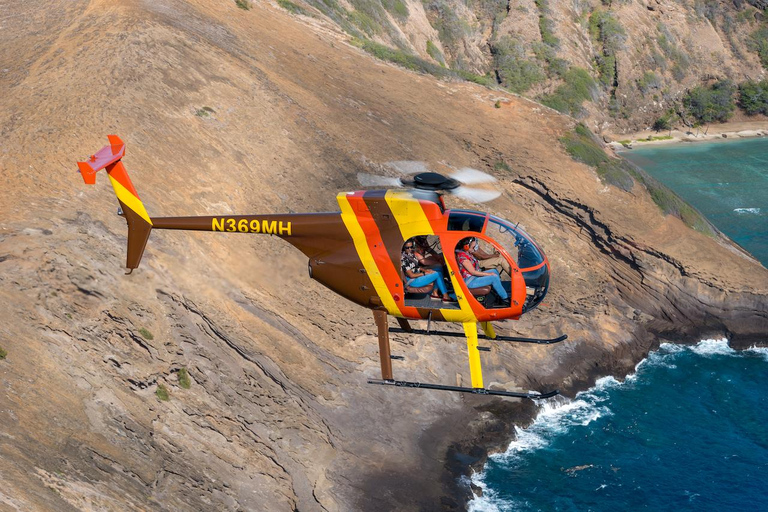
<point x="687" y="431"/>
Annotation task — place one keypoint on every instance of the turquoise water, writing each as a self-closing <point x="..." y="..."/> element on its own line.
<point x="726" y="181"/>
<point x="689" y="430"/>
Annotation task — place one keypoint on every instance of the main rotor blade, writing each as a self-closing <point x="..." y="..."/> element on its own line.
<point x="469" y="176"/>
<point x="371" y="180"/>
<point x="476" y="195"/>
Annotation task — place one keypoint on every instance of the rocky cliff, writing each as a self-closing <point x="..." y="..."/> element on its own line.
<point x="229" y="110"/>
<point x="633" y="59"/>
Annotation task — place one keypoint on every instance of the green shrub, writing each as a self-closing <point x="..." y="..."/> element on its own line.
<point x="162" y="393"/>
<point x="365" y="23"/>
<point x="184" y="380"/>
<point x="292" y="7"/>
<point x="648" y="81"/>
<point x="204" y="112"/>
<point x="516" y="72"/>
<point x="607" y="30"/>
<point x="546" y="25"/>
<point x="3" y="353"/>
<point x="577" y="88"/>
<point x="753" y="97"/>
<point x="545" y="53"/>
<point x="434" y="52"/>
<point x="146" y="334"/>
<point x="243" y="4"/>
<point x="668" y="45"/>
<point x="758" y="43"/>
<point x="583" y="147"/>
<point x="397" y="8"/>
<point x="484" y="80"/>
<point x="711" y="104"/>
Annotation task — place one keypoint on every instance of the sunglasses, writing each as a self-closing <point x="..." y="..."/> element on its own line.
<point x="408" y="247"/>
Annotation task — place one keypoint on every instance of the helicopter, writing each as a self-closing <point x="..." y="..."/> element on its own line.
<point x="356" y="252"/>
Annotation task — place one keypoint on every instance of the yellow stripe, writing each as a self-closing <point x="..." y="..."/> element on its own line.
<point x="413" y="221"/>
<point x="364" y="252"/>
<point x="475" y="369"/>
<point x="408" y="213"/>
<point x="130" y="200"/>
<point x="465" y="313"/>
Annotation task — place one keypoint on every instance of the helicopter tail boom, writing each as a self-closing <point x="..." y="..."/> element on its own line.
<point x="131" y="207"/>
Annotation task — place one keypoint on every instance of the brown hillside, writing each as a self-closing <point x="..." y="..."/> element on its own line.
<point x="279" y="415"/>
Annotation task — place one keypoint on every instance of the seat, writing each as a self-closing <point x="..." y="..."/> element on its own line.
<point x="480" y="291"/>
<point x="420" y="290"/>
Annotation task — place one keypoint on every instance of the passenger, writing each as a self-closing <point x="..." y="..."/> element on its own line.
<point x="417" y="275"/>
<point x="488" y="261"/>
<point x="426" y="255"/>
<point x="469" y="268"/>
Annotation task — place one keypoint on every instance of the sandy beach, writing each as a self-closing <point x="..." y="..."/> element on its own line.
<point x="732" y="129"/>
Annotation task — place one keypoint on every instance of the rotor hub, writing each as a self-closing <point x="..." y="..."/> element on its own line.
<point x="433" y="181"/>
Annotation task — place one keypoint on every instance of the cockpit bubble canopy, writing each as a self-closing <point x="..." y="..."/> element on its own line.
<point x="528" y="256"/>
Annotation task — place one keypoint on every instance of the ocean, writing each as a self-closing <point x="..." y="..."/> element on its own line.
<point x="689" y="429"/>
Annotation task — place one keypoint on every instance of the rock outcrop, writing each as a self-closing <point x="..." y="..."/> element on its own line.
<point x="229" y="110"/>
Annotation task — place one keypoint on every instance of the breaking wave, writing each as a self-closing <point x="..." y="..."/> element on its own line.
<point x="560" y="416"/>
<point x="753" y="211"/>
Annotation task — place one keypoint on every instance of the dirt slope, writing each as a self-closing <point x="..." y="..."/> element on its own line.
<point x="278" y="415"/>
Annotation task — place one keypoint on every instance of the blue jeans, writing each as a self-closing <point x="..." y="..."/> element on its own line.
<point x="435" y="277"/>
<point x="493" y="280"/>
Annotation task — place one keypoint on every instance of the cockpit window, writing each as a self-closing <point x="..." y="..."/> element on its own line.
<point x="528" y="256"/>
<point x="463" y="221"/>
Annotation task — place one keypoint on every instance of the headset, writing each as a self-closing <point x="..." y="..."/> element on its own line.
<point x="467" y="243"/>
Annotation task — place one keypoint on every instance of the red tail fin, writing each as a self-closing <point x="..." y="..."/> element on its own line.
<point x="139" y="223"/>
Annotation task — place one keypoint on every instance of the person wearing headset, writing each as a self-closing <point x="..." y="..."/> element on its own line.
<point x="470" y="269"/>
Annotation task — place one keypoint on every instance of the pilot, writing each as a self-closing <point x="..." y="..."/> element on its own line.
<point x="488" y="261"/>
<point x="418" y="275"/>
<point x="470" y="269"/>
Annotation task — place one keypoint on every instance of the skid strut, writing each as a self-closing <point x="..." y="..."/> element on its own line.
<point x="475" y="368"/>
<point x="540" y="341"/>
<point x="475" y="391"/>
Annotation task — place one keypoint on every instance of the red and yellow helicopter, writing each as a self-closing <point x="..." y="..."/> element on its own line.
<point x="358" y="253"/>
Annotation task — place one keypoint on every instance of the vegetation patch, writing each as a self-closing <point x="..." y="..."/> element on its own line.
<point x="292" y="7"/>
<point x="753" y="97"/>
<point x="243" y="4"/>
<point x="670" y="46"/>
<point x="434" y="52"/>
<point x="184" y="380"/>
<point x="3" y="353"/>
<point x="577" y="88"/>
<point x="204" y="112"/>
<point x="515" y="71"/>
<point x="546" y="25"/>
<point x="162" y="393"/>
<point x="584" y="147"/>
<point x="758" y="43"/>
<point x="401" y="58"/>
<point x="711" y="104"/>
<point x="648" y="82"/>
<point x="146" y="334"/>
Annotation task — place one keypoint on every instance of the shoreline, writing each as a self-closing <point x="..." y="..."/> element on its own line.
<point x="715" y="132"/>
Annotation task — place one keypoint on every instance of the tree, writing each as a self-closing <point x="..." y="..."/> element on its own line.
<point x="753" y="97"/>
<point x="711" y="104"/>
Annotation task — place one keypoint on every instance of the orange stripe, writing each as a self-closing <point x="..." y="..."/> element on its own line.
<point x="118" y="172"/>
<point x="380" y="255"/>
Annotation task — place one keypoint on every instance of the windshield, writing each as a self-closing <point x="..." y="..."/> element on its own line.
<point x="528" y="256"/>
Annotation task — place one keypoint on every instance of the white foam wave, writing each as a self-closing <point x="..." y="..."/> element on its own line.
<point x="709" y="348"/>
<point x="753" y="211"/>
<point x="759" y="351"/>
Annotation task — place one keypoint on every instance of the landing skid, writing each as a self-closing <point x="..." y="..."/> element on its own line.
<point x="540" y="341"/>
<point x="476" y="391"/>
